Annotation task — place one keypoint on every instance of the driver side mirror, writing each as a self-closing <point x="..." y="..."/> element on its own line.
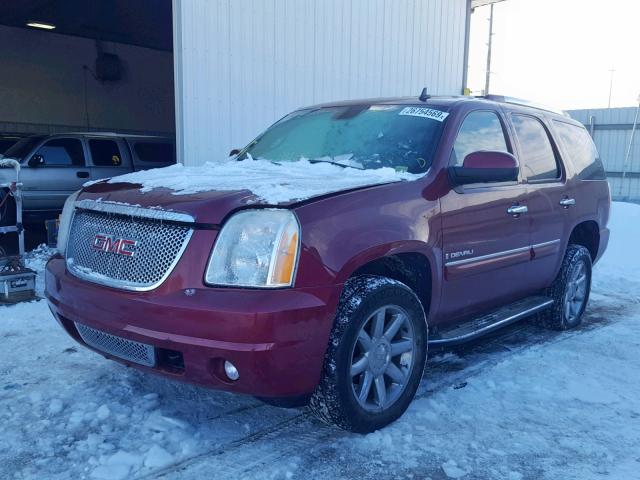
<point x="36" y="161"/>
<point x="485" y="167"/>
<point x="233" y="152"/>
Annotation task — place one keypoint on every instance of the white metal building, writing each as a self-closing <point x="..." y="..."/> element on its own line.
<point x="612" y="130"/>
<point x="241" y="65"/>
<point x="228" y="68"/>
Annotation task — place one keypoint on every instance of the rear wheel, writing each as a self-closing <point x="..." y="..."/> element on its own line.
<point x="569" y="291"/>
<point x="375" y="358"/>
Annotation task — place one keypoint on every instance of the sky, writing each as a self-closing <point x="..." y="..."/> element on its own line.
<point x="559" y="52"/>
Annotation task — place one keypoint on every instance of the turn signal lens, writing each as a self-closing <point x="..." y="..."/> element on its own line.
<point x="286" y="253"/>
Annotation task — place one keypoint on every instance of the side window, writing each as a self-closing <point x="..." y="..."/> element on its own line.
<point x="538" y="158"/>
<point x="105" y="153"/>
<point x="480" y="130"/>
<point x="581" y="150"/>
<point x="155" y="152"/>
<point x="65" y="152"/>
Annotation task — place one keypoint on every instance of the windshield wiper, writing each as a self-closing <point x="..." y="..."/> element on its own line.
<point x="335" y="163"/>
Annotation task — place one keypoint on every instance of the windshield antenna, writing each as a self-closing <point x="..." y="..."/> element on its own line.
<point x="424" y="96"/>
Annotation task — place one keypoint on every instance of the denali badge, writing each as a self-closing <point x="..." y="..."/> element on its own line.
<point x="462" y="253"/>
<point x="111" y="244"/>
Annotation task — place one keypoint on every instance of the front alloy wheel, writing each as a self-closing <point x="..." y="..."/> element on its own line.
<point x="382" y="360"/>
<point x="375" y="357"/>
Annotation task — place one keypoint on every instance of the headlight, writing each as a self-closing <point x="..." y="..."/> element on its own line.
<point x="256" y="248"/>
<point x="65" y="222"/>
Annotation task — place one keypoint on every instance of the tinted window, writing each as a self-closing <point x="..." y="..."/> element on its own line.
<point x="479" y="131"/>
<point x="62" y="152"/>
<point x="581" y="151"/>
<point x="538" y="159"/>
<point x="105" y="153"/>
<point x="155" y="152"/>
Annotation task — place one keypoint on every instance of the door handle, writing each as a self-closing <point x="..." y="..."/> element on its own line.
<point x="82" y="174"/>
<point x="517" y="210"/>
<point x="567" y="202"/>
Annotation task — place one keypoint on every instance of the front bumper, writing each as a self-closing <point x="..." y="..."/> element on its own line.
<point x="276" y="338"/>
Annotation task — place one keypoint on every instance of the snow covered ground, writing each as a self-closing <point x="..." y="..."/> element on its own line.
<point x="526" y="403"/>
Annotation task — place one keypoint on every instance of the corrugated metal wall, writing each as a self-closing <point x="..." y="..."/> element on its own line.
<point x="240" y="65"/>
<point x="611" y="132"/>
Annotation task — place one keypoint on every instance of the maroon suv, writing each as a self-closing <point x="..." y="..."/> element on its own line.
<point x="498" y="213"/>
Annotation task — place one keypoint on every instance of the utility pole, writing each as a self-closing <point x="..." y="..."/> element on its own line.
<point x="488" y="79"/>
<point x="610" y="87"/>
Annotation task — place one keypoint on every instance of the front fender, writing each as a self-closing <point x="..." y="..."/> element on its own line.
<point x="342" y="233"/>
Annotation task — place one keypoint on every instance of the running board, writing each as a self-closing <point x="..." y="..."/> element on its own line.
<point x="491" y="321"/>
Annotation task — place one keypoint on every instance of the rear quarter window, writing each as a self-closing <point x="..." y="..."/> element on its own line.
<point x="155" y="152"/>
<point x="581" y="151"/>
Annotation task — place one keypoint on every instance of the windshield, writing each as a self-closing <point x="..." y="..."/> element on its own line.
<point x="23" y="147"/>
<point x="362" y="136"/>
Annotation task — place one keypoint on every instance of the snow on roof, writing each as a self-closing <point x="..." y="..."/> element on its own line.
<point x="272" y="182"/>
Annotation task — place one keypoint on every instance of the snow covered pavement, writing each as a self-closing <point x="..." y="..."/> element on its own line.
<point x="526" y="403"/>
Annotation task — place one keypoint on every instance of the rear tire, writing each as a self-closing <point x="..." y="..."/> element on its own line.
<point x="569" y="291"/>
<point x="375" y="358"/>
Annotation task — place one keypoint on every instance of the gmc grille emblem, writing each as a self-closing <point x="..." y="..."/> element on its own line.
<point x="111" y="244"/>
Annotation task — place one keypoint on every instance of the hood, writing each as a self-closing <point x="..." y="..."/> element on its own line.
<point x="206" y="207"/>
<point x="210" y="192"/>
<point x="210" y="207"/>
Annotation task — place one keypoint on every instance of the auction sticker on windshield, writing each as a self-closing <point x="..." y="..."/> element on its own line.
<point x="424" y="112"/>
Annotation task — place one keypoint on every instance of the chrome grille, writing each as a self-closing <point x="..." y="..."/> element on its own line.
<point x="158" y="249"/>
<point x="136" y="352"/>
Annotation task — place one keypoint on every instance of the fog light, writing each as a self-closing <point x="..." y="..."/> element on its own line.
<point x="231" y="370"/>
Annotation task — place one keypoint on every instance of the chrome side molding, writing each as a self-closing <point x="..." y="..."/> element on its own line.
<point x="503" y="253"/>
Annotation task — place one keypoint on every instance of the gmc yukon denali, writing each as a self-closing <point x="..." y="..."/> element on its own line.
<point x="473" y="213"/>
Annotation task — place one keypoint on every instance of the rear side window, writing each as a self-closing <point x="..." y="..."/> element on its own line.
<point x="155" y="152"/>
<point x="62" y="152"/>
<point x="480" y="130"/>
<point x="581" y="150"/>
<point x="538" y="158"/>
<point x="105" y="153"/>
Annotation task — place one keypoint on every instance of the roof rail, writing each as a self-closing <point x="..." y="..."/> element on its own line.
<point x="520" y="101"/>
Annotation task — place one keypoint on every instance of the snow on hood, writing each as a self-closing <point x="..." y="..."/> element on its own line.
<point x="271" y="182"/>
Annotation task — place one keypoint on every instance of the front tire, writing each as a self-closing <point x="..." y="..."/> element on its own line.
<point x="375" y="358"/>
<point x="569" y="291"/>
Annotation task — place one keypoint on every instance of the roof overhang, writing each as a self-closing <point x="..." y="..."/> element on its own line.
<point x="144" y="23"/>
<point x="482" y="3"/>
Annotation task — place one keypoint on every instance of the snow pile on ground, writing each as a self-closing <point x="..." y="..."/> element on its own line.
<point x="528" y="404"/>
<point x="271" y="182"/>
<point x="36" y="260"/>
